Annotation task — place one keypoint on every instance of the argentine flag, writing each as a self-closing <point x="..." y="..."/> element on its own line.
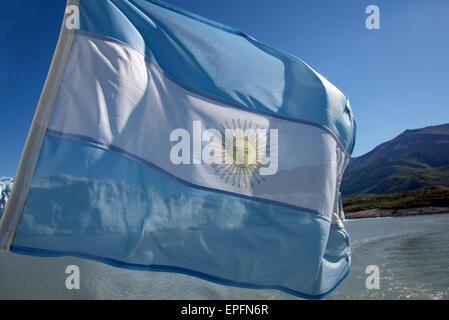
<point x="164" y="141"/>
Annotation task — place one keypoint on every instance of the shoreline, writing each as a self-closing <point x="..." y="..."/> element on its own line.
<point x="378" y="213"/>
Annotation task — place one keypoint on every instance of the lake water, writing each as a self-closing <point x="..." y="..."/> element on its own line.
<point x="412" y="254"/>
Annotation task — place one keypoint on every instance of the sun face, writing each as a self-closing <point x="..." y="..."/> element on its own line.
<point x="242" y="150"/>
<point x="243" y="153"/>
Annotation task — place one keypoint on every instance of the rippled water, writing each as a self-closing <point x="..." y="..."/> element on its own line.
<point x="412" y="254"/>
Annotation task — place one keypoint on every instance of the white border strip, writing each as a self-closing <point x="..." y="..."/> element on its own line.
<point x="33" y="144"/>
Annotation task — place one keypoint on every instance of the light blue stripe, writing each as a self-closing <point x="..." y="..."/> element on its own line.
<point x="95" y="203"/>
<point x="220" y="61"/>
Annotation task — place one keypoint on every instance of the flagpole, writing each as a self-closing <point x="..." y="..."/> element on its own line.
<point x="33" y="144"/>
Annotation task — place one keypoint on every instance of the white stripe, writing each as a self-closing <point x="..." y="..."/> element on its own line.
<point x="112" y="95"/>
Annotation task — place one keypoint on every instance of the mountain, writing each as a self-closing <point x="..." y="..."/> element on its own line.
<point x="416" y="159"/>
<point x="5" y="191"/>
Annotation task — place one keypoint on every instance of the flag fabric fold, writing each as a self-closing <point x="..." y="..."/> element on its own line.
<point x="164" y="141"/>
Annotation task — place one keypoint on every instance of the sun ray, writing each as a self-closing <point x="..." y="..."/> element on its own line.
<point x="231" y="168"/>
<point x="257" y="173"/>
<point x="245" y="177"/>
<point x="230" y="172"/>
<point x="239" y="175"/>
<point x="219" y="169"/>
<point x="254" y="132"/>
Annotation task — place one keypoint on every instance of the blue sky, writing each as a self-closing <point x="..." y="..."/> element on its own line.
<point x="395" y="77"/>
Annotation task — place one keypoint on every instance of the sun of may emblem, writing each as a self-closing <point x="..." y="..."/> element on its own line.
<point x="242" y="152"/>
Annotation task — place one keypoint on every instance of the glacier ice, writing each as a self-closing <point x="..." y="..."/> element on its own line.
<point x="5" y="191"/>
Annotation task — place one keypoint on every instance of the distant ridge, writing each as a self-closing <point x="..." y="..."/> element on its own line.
<point x="416" y="159"/>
